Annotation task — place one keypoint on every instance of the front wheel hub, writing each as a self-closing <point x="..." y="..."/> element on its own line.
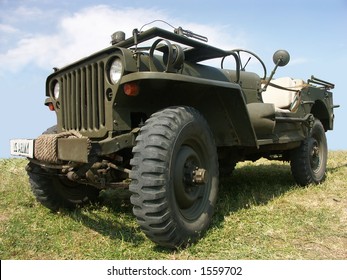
<point x="189" y="178"/>
<point x="199" y="176"/>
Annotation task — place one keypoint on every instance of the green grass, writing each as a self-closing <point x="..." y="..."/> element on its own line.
<point x="261" y="214"/>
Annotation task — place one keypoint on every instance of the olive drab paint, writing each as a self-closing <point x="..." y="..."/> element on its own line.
<point x="147" y="89"/>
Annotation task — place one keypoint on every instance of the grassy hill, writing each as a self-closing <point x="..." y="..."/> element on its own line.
<point x="261" y="214"/>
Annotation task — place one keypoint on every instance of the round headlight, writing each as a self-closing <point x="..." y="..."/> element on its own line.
<point x="56" y="90"/>
<point x="116" y="71"/>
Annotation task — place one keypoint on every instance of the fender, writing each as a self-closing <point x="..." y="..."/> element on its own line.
<point x="222" y="103"/>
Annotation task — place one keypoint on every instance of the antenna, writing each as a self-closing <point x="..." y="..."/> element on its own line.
<point x="244" y="67"/>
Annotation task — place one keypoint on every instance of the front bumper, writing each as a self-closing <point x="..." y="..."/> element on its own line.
<point x="73" y="147"/>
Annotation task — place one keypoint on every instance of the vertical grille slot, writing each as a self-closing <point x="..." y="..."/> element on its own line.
<point x="83" y="98"/>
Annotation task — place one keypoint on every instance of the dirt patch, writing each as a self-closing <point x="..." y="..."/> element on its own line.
<point x="4" y="218"/>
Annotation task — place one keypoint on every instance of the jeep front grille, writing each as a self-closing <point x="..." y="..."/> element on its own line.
<point x="83" y="98"/>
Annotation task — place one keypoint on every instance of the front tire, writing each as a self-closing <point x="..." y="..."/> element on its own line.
<point x="56" y="192"/>
<point x="308" y="163"/>
<point x="174" y="176"/>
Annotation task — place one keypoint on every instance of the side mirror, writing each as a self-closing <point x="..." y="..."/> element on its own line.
<point x="281" y="58"/>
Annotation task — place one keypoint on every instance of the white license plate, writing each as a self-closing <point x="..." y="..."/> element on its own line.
<point x="22" y="147"/>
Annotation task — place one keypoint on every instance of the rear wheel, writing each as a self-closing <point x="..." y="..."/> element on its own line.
<point x="174" y="176"/>
<point x="308" y="163"/>
<point x="226" y="168"/>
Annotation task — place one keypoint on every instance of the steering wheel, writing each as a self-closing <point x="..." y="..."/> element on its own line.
<point x="243" y="67"/>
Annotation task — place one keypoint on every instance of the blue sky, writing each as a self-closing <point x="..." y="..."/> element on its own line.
<point x="37" y="35"/>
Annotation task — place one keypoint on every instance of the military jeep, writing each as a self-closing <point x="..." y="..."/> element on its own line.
<point x="149" y="114"/>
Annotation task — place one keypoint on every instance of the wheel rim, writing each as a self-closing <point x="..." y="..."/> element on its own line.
<point x="191" y="183"/>
<point x="316" y="155"/>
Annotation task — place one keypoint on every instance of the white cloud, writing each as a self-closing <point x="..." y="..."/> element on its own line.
<point x="5" y="28"/>
<point x="78" y="35"/>
<point x="88" y="31"/>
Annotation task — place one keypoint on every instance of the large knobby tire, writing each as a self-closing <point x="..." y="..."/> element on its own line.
<point x="55" y="191"/>
<point x="308" y="162"/>
<point x="174" y="176"/>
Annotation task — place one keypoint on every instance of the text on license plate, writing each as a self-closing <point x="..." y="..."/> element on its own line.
<point x="22" y="147"/>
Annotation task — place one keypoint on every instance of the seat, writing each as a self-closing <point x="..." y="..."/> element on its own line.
<point x="284" y="100"/>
